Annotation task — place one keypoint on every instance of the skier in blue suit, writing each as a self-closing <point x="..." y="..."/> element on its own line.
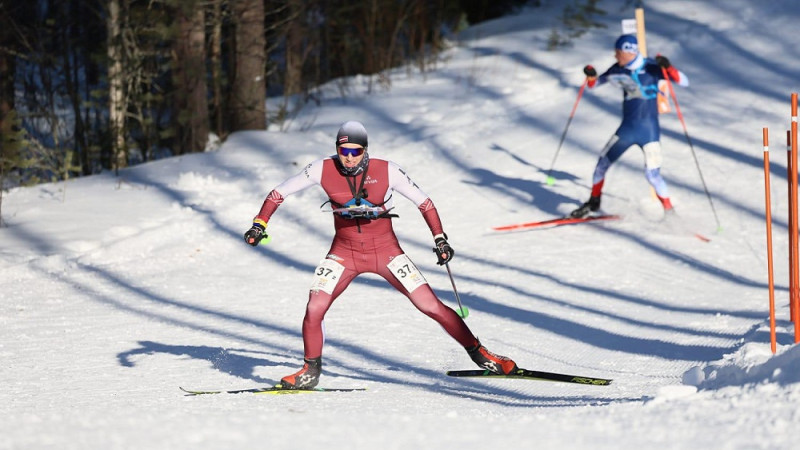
<point x="638" y="77"/>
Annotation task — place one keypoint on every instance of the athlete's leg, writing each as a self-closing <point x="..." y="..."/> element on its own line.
<point x="318" y="304"/>
<point x="615" y="147"/>
<point x="319" y="301"/>
<point x="652" y="162"/>
<point x="424" y="299"/>
<point x="322" y="295"/>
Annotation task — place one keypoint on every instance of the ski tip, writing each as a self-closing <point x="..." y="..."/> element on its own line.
<point x="701" y="237"/>
<point x="190" y="393"/>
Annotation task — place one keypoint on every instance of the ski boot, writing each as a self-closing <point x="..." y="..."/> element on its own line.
<point x="305" y="378"/>
<point x="589" y="207"/>
<point x="489" y="361"/>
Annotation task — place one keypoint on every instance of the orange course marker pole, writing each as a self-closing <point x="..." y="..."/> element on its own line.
<point x="768" y="207"/>
<point x="792" y="225"/>
<point x="796" y="298"/>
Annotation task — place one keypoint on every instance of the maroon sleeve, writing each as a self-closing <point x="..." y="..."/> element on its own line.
<point x="428" y="211"/>
<point x="271" y="203"/>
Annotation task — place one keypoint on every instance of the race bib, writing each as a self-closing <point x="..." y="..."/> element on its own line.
<point x="326" y="275"/>
<point x="406" y="272"/>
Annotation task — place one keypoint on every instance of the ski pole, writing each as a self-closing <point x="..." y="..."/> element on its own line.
<point x="462" y="311"/>
<point x="689" y="140"/>
<point x="550" y="179"/>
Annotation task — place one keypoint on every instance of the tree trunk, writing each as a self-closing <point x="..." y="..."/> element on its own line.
<point x="116" y="97"/>
<point x="7" y="71"/>
<point x="189" y="75"/>
<point x="295" y="53"/>
<point x="249" y="90"/>
<point x="215" y="57"/>
<point x="71" y="75"/>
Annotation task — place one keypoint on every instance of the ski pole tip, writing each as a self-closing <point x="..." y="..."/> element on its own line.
<point x="551" y="181"/>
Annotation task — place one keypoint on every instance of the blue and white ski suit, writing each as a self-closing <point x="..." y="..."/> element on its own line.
<point x="639" y="82"/>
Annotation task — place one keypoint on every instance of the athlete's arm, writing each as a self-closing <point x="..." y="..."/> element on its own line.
<point x="309" y="176"/>
<point x="599" y="80"/>
<point x="667" y="70"/>
<point x="400" y="182"/>
<point x="679" y="77"/>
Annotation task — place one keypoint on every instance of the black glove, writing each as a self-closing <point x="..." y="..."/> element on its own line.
<point x="255" y="234"/>
<point x="663" y="61"/>
<point x="443" y="250"/>
<point x="589" y="71"/>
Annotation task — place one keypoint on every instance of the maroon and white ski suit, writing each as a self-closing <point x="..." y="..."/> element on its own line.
<point x="365" y="245"/>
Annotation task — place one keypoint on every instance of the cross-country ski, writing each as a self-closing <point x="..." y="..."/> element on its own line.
<point x="557" y="222"/>
<point x="272" y="390"/>
<point x="525" y="374"/>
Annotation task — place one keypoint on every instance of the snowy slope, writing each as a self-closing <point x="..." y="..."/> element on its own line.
<point x="115" y="291"/>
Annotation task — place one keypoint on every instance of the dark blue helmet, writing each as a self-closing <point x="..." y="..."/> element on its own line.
<point x="627" y="43"/>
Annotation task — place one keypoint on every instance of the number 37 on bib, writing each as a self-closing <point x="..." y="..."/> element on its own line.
<point x="406" y="272"/>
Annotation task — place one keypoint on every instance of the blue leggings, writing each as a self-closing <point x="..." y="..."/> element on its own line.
<point x="616" y="147"/>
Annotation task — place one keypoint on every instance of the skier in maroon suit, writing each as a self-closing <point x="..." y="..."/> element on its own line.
<point x="360" y="190"/>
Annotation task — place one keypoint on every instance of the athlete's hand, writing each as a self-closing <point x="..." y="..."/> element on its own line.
<point x="663" y="61"/>
<point x="255" y="234"/>
<point x="590" y="72"/>
<point x="672" y="72"/>
<point x="443" y="250"/>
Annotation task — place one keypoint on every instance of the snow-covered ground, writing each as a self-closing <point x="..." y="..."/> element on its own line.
<point x="115" y="291"/>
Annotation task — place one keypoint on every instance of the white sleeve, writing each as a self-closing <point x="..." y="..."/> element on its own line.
<point x="683" y="80"/>
<point x="309" y="176"/>
<point x="402" y="183"/>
